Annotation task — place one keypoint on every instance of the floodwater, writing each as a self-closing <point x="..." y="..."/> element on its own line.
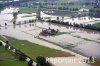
<point x="84" y="41"/>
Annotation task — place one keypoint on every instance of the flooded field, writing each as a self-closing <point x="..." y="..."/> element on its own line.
<point x="84" y="41"/>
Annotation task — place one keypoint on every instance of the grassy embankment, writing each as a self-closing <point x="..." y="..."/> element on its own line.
<point x="31" y="49"/>
<point x="8" y="59"/>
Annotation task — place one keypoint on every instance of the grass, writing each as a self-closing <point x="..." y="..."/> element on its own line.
<point x="30" y="49"/>
<point x="60" y="33"/>
<point x="34" y="10"/>
<point x="27" y="9"/>
<point x="97" y="24"/>
<point x="8" y="59"/>
<point x="3" y="38"/>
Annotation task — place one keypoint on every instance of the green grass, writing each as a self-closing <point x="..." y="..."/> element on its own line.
<point x="60" y="33"/>
<point x="8" y="59"/>
<point x="59" y="4"/>
<point x="97" y="24"/>
<point x="2" y="38"/>
<point x="27" y="9"/>
<point x="31" y="49"/>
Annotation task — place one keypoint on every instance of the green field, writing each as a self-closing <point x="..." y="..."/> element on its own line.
<point x="33" y="10"/>
<point x="97" y="24"/>
<point x="31" y="49"/>
<point x="8" y="59"/>
<point x="27" y="9"/>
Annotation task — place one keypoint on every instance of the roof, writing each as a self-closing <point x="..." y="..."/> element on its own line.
<point x="83" y="9"/>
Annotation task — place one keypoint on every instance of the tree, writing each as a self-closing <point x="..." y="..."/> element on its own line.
<point x="62" y="18"/>
<point x="6" y="46"/>
<point x="30" y="63"/>
<point x="21" y="56"/>
<point x="15" y="15"/>
<point x="41" y="61"/>
<point x="57" y="18"/>
<point x="7" y="42"/>
<point x="0" y="43"/>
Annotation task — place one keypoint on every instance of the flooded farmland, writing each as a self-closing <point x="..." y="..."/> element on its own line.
<point x="84" y="41"/>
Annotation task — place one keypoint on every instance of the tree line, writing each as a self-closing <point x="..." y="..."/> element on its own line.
<point x="88" y="26"/>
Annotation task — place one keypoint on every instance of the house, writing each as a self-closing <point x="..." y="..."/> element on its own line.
<point x="83" y="10"/>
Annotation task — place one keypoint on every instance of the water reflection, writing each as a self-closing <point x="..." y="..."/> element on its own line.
<point x="77" y="29"/>
<point x="89" y="49"/>
<point x="82" y="43"/>
<point x="5" y="27"/>
<point x="25" y="26"/>
<point x="29" y="25"/>
<point x="14" y="26"/>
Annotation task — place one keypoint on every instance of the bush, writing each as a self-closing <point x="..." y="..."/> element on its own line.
<point x="21" y="56"/>
<point x="12" y="48"/>
<point x="37" y="65"/>
<point x="7" y="42"/>
<point x="41" y="61"/>
<point x="0" y="43"/>
<point x="6" y="46"/>
<point x="30" y="63"/>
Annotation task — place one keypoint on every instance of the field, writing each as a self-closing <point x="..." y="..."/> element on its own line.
<point x="8" y="59"/>
<point x="27" y="9"/>
<point x="97" y="24"/>
<point x="59" y="4"/>
<point x="31" y="49"/>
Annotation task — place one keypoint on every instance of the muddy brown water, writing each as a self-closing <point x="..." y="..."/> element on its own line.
<point x="86" y="41"/>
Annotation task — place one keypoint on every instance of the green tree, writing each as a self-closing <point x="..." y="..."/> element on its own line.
<point x="15" y="15"/>
<point x="41" y="61"/>
<point x="0" y="43"/>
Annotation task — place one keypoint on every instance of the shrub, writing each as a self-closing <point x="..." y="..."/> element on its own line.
<point x="12" y="48"/>
<point x="30" y="63"/>
<point x="0" y="43"/>
<point x="21" y="56"/>
<point x="41" y="61"/>
<point x="6" y="46"/>
<point x="7" y="42"/>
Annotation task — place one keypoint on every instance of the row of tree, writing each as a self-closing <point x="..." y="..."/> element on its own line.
<point x="41" y="61"/>
<point x="94" y="13"/>
<point x="88" y="26"/>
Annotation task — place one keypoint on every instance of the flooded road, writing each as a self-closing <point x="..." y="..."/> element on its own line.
<point x="84" y="41"/>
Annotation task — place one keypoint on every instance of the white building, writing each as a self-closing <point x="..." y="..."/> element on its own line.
<point x="83" y="10"/>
